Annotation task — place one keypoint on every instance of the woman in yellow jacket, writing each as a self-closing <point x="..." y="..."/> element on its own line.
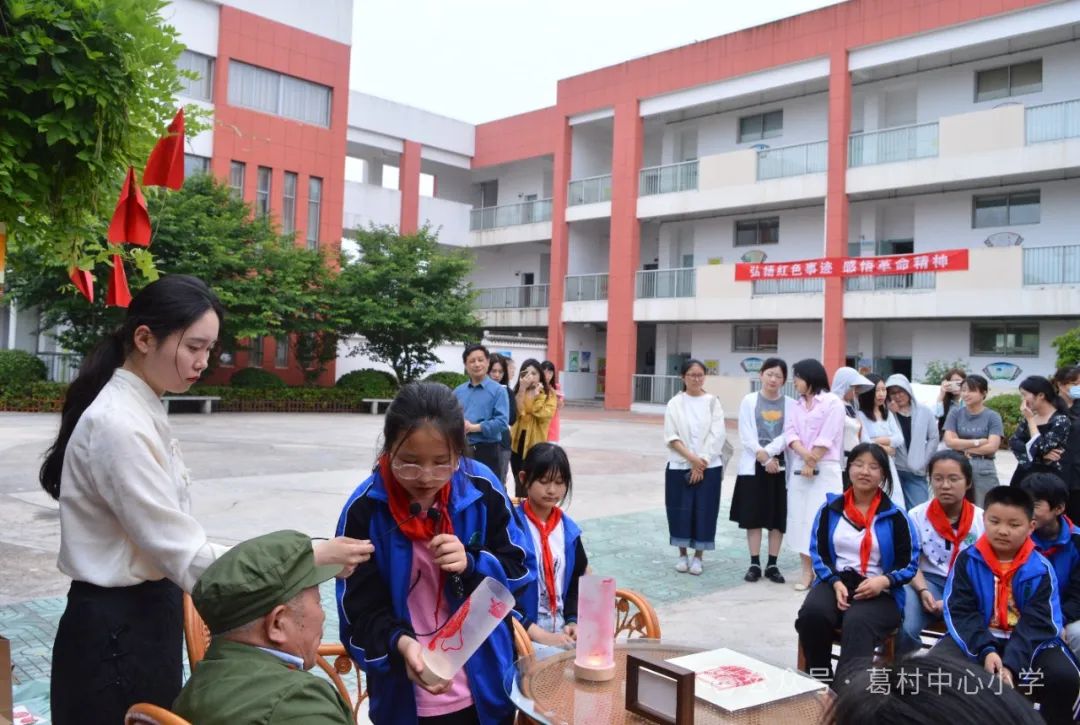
<point x="536" y="405"/>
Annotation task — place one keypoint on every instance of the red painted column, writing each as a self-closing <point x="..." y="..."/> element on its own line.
<point x="833" y="333"/>
<point x="624" y="253"/>
<point x="409" y="183"/>
<point x="560" y="238"/>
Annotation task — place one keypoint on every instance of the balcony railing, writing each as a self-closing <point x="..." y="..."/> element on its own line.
<point x="903" y="143"/>
<point x="669" y="178"/>
<point x="589" y="191"/>
<point x="919" y="280"/>
<point x="787" y="388"/>
<point x="653" y="283"/>
<point x="1053" y="121"/>
<point x="494" y="298"/>
<point x="1052" y="265"/>
<point x="586" y="287"/>
<point x="656" y="388"/>
<point x="804" y="158"/>
<point x="510" y="215"/>
<point x="787" y="286"/>
<point x="61" y="367"/>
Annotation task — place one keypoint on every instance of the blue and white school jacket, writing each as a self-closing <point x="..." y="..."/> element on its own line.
<point x="1064" y="555"/>
<point x="895" y="534"/>
<point x="528" y="600"/>
<point x="372" y="603"/>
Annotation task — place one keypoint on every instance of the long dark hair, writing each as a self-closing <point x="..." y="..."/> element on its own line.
<point x="548" y="365"/>
<point x="170" y="304"/>
<point x="545" y="459"/>
<point x="868" y="399"/>
<point x="502" y="362"/>
<point x="532" y="363"/>
<point x="1038" y="385"/>
<point x="420" y="404"/>
<point x="882" y="459"/>
<point x="813" y="374"/>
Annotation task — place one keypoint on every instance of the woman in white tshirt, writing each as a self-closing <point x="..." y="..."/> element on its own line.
<point x="127" y="538"/>
<point x="695" y="435"/>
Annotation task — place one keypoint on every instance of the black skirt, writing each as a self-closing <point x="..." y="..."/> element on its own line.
<point x="116" y="646"/>
<point x="760" y="501"/>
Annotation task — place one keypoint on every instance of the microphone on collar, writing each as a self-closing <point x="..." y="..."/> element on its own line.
<point x="414" y="511"/>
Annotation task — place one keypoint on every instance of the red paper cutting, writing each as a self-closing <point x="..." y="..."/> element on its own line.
<point x="131" y="221"/>
<point x="118" y="294"/>
<point x="84" y="282"/>
<point x="165" y="167"/>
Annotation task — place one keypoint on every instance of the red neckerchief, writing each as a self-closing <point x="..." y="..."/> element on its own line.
<point x="856" y="517"/>
<point x="1003" y="576"/>
<point x="937" y="517"/>
<point x="1068" y="525"/>
<point x="545" y="528"/>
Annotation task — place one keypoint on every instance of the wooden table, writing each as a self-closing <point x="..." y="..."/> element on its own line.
<point x="546" y="691"/>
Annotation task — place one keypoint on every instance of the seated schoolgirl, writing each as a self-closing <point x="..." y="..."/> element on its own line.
<point x="946" y="525"/>
<point x="864" y="551"/>
<point x="547" y="607"/>
<point x="438" y="530"/>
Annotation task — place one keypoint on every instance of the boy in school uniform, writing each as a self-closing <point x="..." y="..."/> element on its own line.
<point x="1058" y="539"/>
<point x="1002" y="610"/>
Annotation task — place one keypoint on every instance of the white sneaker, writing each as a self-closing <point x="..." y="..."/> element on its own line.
<point x="695" y="567"/>
<point x="682" y="565"/>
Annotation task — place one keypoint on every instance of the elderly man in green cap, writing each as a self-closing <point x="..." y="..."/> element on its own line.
<point x="261" y="603"/>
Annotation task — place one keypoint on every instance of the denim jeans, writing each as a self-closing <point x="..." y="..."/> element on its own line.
<point x="915" y="617"/>
<point x="916" y="489"/>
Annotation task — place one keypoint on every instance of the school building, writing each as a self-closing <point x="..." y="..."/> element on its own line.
<point x="613" y="225"/>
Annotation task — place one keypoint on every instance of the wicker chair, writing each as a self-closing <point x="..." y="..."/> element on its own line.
<point x="332" y="659"/>
<point x="143" y="713"/>
<point x="634" y="617"/>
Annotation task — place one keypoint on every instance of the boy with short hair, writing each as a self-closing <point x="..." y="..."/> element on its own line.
<point x="1058" y="539"/>
<point x="1002" y="610"/>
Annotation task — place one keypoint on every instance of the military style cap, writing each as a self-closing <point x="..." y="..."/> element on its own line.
<point x="255" y="576"/>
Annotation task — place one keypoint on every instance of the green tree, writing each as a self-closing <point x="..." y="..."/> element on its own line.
<point x="86" y="87"/>
<point x="268" y="285"/>
<point x="1068" y="348"/>
<point x="404" y="297"/>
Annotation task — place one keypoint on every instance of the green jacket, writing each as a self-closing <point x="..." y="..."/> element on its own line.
<point x="237" y="684"/>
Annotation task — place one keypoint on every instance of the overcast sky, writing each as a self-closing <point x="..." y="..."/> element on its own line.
<point x="479" y="60"/>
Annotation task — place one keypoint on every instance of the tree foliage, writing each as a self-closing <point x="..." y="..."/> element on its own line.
<point x="1068" y="348"/>
<point x="405" y="297"/>
<point x="86" y="87"/>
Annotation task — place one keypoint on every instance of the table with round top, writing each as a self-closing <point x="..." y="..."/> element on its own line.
<point x="547" y="691"/>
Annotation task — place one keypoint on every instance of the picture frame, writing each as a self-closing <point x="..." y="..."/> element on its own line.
<point x="659" y="691"/>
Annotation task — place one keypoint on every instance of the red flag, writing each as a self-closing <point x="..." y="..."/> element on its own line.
<point x="165" y="167"/>
<point x="83" y="280"/>
<point x="118" y="294"/>
<point x="131" y="221"/>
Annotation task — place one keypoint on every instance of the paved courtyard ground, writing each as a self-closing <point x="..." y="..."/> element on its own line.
<point x="255" y="473"/>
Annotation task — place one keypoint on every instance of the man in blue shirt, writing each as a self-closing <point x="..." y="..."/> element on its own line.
<point x="486" y="406"/>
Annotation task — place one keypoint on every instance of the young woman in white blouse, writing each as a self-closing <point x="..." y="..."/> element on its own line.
<point x="695" y="434"/>
<point x="126" y="537"/>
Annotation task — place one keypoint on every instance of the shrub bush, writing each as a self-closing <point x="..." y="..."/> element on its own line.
<point x="40" y="397"/>
<point x="447" y="378"/>
<point x="1007" y="406"/>
<point x="255" y="378"/>
<point x="20" y="369"/>
<point x="369" y="383"/>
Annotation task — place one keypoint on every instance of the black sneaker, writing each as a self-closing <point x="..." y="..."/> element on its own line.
<point x="753" y="573"/>
<point x="773" y="574"/>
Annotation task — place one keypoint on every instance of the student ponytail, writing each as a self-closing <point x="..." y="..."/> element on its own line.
<point x="170" y="304"/>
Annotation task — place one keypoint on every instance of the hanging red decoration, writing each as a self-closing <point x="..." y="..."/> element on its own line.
<point x="118" y="294"/>
<point x="131" y="221"/>
<point x="165" y="167"/>
<point x="83" y="279"/>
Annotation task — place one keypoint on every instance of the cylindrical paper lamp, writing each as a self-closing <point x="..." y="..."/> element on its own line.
<point x="595" y="658"/>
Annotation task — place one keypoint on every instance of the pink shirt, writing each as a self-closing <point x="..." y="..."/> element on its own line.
<point x="426" y="576"/>
<point x="821" y="425"/>
<point x="553" y="427"/>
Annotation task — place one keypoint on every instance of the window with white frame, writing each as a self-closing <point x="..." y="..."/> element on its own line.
<point x="1008" y="80"/>
<point x="195" y="164"/>
<point x="288" y="203"/>
<point x="236" y="178"/>
<point x="281" y="354"/>
<point x="262" y="191"/>
<point x="755" y="338"/>
<point x="314" y="211"/>
<point x="1005" y="338"/>
<point x="761" y="126"/>
<point x="202" y="87"/>
<point x="752" y="232"/>
<point x="272" y="92"/>
<point x="1002" y="210"/>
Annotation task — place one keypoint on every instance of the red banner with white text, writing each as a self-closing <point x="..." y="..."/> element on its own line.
<point x="946" y="260"/>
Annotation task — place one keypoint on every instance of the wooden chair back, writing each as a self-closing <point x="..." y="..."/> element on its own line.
<point x="143" y="713"/>
<point x="196" y="633"/>
<point x="634" y="616"/>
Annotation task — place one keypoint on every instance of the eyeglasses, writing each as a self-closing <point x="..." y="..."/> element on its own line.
<point x="953" y="480"/>
<point x="413" y="472"/>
